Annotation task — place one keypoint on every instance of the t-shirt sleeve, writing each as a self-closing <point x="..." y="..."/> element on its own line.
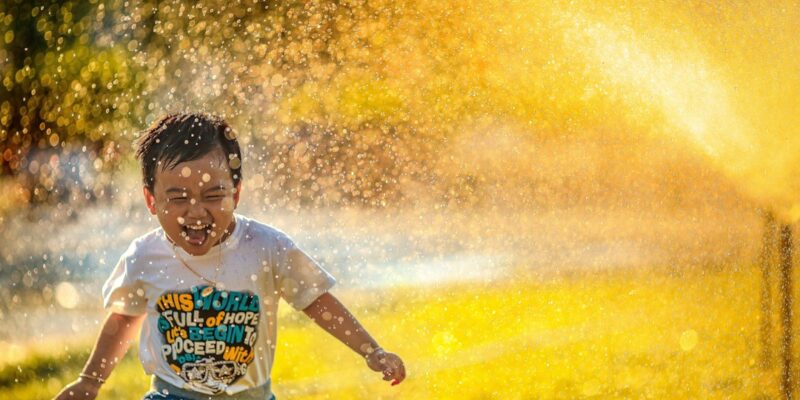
<point x="123" y="292"/>
<point x="299" y="278"/>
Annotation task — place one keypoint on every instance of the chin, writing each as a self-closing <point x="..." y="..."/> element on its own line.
<point x="195" y="251"/>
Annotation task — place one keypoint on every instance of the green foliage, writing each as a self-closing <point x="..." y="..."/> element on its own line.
<point x="67" y="79"/>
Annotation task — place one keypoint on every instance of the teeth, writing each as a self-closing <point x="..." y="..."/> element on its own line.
<point x="196" y="227"/>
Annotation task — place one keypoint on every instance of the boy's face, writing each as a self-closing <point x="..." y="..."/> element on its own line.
<point x="194" y="202"/>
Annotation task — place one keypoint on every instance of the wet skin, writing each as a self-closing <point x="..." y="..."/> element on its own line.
<point x="196" y="193"/>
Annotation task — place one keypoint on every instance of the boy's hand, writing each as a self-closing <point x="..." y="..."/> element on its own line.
<point x="389" y="363"/>
<point x="332" y="316"/>
<point x="82" y="389"/>
<point x="115" y="337"/>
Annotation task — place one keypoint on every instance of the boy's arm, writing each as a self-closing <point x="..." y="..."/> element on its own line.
<point x="115" y="337"/>
<point x="332" y="316"/>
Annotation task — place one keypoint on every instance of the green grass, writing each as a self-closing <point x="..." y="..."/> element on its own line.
<point x="631" y="335"/>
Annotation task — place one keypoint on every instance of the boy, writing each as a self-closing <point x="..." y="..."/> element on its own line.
<point x="205" y="286"/>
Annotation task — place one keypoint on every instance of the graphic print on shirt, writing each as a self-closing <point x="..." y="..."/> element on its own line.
<point x="208" y="340"/>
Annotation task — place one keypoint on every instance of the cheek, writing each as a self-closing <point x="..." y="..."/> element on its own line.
<point x="226" y="204"/>
<point x="167" y="209"/>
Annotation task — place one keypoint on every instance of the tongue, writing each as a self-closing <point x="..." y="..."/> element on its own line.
<point x="196" y="237"/>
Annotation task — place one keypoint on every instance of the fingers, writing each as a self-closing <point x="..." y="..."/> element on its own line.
<point x="396" y="371"/>
<point x="401" y="374"/>
<point x="387" y="374"/>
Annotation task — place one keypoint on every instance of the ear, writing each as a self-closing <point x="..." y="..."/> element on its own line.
<point x="236" y="193"/>
<point x="150" y="200"/>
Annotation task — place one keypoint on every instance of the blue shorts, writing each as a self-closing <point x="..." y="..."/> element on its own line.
<point x="161" y="396"/>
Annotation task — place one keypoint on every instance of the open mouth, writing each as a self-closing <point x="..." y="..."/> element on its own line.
<point x="196" y="234"/>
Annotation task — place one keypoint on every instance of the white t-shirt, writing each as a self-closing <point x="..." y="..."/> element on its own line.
<point x="223" y="341"/>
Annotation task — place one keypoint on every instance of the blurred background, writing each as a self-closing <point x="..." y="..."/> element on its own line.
<point x="524" y="199"/>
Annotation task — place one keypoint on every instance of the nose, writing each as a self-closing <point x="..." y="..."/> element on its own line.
<point x="196" y="211"/>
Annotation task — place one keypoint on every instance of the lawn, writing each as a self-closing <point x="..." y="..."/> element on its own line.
<point x="623" y="334"/>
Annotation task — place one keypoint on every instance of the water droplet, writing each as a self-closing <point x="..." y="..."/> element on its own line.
<point x="235" y="163"/>
<point x="66" y="295"/>
<point x="366" y="348"/>
<point x="688" y="340"/>
<point x="13" y="353"/>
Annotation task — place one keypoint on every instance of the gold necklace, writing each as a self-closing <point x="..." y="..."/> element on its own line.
<point x="214" y="283"/>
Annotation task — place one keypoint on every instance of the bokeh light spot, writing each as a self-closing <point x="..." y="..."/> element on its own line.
<point x="688" y="340"/>
<point x="67" y="295"/>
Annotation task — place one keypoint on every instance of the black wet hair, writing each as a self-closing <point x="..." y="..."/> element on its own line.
<point x="181" y="137"/>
